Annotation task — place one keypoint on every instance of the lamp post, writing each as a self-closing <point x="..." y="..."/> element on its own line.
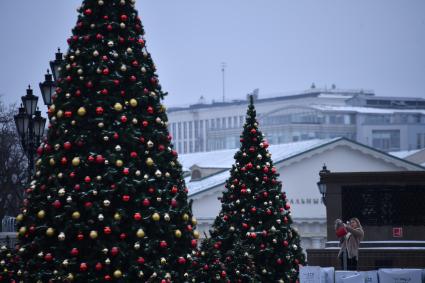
<point x="29" y="122"/>
<point x="30" y="126"/>
<point x="321" y="185"/>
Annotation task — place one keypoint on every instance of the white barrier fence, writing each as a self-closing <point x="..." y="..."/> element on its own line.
<point x="317" y="274"/>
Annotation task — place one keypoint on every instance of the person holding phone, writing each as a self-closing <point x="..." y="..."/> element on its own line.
<point x="350" y="235"/>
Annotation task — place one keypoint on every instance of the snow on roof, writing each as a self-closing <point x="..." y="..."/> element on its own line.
<point x="404" y="153"/>
<point x="366" y="110"/>
<point x="224" y="159"/>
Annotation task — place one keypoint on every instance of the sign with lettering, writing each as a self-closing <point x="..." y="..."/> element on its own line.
<point x="310" y="274"/>
<point x="400" y="275"/>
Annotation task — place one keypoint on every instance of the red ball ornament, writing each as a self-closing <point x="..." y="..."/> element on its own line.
<point x="146" y="202"/>
<point x="279" y="261"/>
<point x="245" y="226"/>
<point x="104" y="91"/>
<point x="285" y="243"/>
<point x="64" y="160"/>
<point x="253" y="131"/>
<point x="48" y="257"/>
<point x="78" y="93"/>
<point x="206" y="267"/>
<point x="100" y="159"/>
<point x="123" y="236"/>
<point x="194" y="243"/>
<point x="107" y="230"/>
<point x="137" y="216"/>
<point x="126" y="171"/>
<point x="133" y="154"/>
<point x="109" y="27"/>
<point x="68" y="114"/>
<point x="269" y="212"/>
<point x="67" y="145"/>
<point x="98" y="266"/>
<point x="266" y="169"/>
<point x="124" y="119"/>
<point x="150" y="110"/>
<point x="173" y="202"/>
<point x="89" y="84"/>
<point x="99" y="110"/>
<point x="163" y="244"/>
<point x="88" y="12"/>
<point x="83" y="266"/>
<point x="126" y="198"/>
<point x="87" y="179"/>
<point x="287" y="206"/>
<point x="182" y="260"/>
<point x="249" y="165"/>
<point x="253" y="210"/>
<point x="251" y="149"/>
<point x="116" y="82"/>
<point x="133" y="78"/>
<point x="141" y="42"/>
<point x="88" y="204"/>
<point x="253" y="235"/>
<point x="72" y="175"/>
<point x="223" y="274"/>
<point x="124" y="18"/>
<point x="154" y="81"/>
<point x="135" y="63"/>
<point x="77" y="187"/>
<point x="107" y="278"/>
<point x="114" y="251"/>
<point x="57" y="204"/>
<point x="105" y="71"/>
<point x="74" y="252"/>
<point x="174" y="190"/>
<point x="116" y="136"/>
<point x="140" y="260"/>
<point x="39" y="151"/>
<point x="80" y="237"/>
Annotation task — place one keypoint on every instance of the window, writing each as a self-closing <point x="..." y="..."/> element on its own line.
<point x="336" y="119"/>
<point x="179" y="129"/>
<point x="217" y="122"/>
<point x="196" y="174"/>
<point x="229" y="122"/>
<point x="185" y="130"/>
<point x="201" y="130"/>
<point x="185" y="147"/>
<point x="378" y="119"/>
<point x="212" y="124"/>
<point x="190" y="130"/>
<point x="191" y="146"/>
<point x="420" y="140"/>
<point x="386" y="140"/>
<point x="173" y="127"/>
<point x="241" y="121"/>
<point x="235" y="121"/>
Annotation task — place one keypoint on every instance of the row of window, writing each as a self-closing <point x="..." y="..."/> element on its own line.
<point x="384" y="119"/>
<point x="310" y="117"/>
<point x="306" y="201"/>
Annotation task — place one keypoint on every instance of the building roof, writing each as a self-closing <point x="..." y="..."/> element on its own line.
<point x="280" y="152"/>
<point x="366" y="110"/>
<point x="404" y="153"/>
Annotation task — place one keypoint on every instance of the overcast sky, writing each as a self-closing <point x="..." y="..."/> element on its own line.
<point x="278" y="46"/>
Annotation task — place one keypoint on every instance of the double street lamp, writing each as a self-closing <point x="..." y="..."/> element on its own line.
<point x="29" y="122"/>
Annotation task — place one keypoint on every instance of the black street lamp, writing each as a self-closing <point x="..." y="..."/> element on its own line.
<point x="30" y="126"/>
<point x="47" y="88"/>
<point x="321" y="185"/>
<point x="55" y="65"/>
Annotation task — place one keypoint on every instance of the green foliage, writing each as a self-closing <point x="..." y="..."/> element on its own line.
<point x="108" y="201"/>
<point x="252" y="239"/>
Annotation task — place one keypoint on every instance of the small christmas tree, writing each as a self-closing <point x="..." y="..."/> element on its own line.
<point x="108" y="201"/>
<point x="253" y="229"/>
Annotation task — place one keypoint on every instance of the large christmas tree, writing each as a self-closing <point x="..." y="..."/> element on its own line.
<point x="108" y="201"/>
<point x="255" y="217"/>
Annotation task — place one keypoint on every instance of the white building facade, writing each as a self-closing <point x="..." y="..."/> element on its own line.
<point x="385" y="123"/>
<point x="298" y="165"/>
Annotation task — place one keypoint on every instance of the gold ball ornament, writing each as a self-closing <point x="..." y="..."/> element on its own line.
<point x="178" y="233"/>
<point x="81" y="111"/>
<point x="22" y="230"/>
<point x="185" y="217"/>
<point x="117" y="216"/>
<point x="119" y="163"/>
<point x="140" y="233"/>
<point x="133" y="102"/>
<point x="76" y="161"/>
<point x="41" y="214"/>
<point x="76" y="215"/>
<point x="118" y="106"/>
<point x="50" y="232"/>
<point x="156" y="217"/>
<point x="93" y="234"/>
<point x="196" y="234"/>
<point x="149" y="161"/>
<point x="52" y="162"/>
<point x="20" y="217"/>
<point x="194" y="220"/>
<point x="70" y="277"/>
<point x="163" y="261"/>
<point x="117" y="273"/>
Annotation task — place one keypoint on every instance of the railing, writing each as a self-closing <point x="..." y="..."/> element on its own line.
<point x="8" y="224"/>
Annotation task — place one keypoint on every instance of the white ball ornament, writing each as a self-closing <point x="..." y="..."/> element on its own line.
<point x="110" y="43"/>
<point x="123" y="68"/>
<point x="118" y="148"/>
<point x="100" y="217"/>
<point x="122" y="25"/>
<point x="106" y="203"/>
<point x="129" y="50"/>
<point x="100" y="2"/>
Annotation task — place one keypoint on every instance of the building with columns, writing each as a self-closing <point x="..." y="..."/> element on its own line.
<point x="298" y="164"/>
<point x="385" y="123"/>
